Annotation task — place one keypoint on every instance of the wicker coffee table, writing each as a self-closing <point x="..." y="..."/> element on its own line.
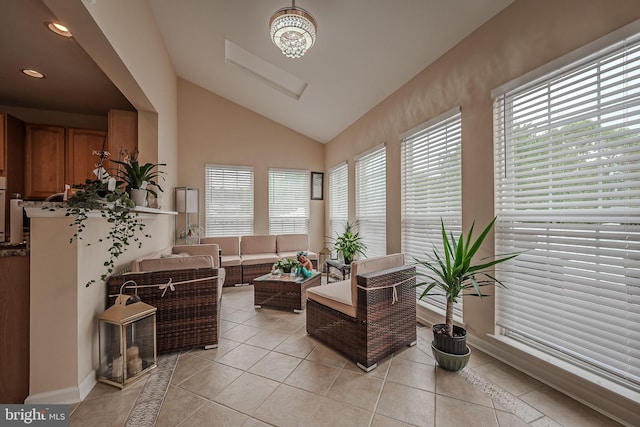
<point x="283" y="292"/>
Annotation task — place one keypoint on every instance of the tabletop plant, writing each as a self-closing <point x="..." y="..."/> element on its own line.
<point x="285" y="265"/>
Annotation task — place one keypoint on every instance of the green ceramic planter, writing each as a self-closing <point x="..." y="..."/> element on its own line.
<point x="450" y="362"/>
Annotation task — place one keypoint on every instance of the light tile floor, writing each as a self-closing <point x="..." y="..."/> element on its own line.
<point x="267" y="371"/>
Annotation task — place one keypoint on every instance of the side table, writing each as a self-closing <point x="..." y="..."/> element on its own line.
<point x="345" y="269"/>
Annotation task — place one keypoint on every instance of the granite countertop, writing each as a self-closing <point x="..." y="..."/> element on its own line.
<point x="7" y="250"/>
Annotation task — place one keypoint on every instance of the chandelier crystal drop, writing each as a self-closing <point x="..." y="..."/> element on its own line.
<point x="293" y="30"/>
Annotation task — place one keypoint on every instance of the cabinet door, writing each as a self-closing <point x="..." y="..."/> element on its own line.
<point x="123" y="133"/>
<point x="44" y="154"/>
<point x="3" y="145"/>
<point x="81" y="160"/>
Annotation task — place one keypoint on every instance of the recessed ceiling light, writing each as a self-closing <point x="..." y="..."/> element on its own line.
<point x="59" y="29"/>
<point x="32" y="73"/>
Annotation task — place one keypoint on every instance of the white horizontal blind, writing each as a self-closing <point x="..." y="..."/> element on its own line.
<point x="228" y="200"/>
<point x="289" y="194"/>
<point x="431" y="192"/>
<point x="568" y="196"/>
<point x="338" y="199"/>
<point x="371" y="201"/>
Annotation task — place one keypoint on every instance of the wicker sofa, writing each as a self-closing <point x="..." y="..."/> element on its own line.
<point x="247" y="257"/>
<point x="369" y="316"/>
<point x="186" y="289"/>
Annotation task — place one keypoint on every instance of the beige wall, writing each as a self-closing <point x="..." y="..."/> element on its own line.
<point x="64" y="331"/>
<point x="214" y="130"/>
<point x="523" y="37"/>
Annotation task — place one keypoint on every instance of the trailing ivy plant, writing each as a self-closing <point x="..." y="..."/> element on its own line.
<point x="117" y="209"/>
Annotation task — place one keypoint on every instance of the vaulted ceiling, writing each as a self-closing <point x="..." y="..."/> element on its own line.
<point x="365" y="50"/>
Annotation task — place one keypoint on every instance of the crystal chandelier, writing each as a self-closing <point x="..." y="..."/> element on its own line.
<point x="293" y="30"/>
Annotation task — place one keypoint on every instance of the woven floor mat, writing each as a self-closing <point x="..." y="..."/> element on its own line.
<point x="145" y="411"/>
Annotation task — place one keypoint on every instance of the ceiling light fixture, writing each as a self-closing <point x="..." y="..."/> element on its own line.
<point x="32" y="73"/>
<point x="293" y="30"/>
<point x="59" y="29"/>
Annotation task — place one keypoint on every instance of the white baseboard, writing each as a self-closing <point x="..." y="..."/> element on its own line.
<point x="67" y="395"/>
<point x="87" y="384"/>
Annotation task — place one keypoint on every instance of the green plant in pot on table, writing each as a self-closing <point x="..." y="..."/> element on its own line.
<point x="452" y="274"/>
<point x="285" y="265"/>
<point x="349" y="243"/>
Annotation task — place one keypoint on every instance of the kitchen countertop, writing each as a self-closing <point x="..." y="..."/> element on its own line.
<point x="7" y="250"/>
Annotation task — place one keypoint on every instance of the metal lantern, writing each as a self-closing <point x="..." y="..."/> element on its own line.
<point x="323" y="256"/>
<point x="127" y="337"/>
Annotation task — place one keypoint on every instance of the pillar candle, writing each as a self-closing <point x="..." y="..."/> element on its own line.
<point x="135" y="366"/>
<point x="133" y="352"/>
<point x="116" y="367"/>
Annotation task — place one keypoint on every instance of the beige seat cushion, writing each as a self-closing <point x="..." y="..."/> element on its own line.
<point x="261" y="258"/>
<point x="176" y="262"/>
<point x="229" y="245"/>
<point x="202" y="249"/>
<point x="135" y="264"/>
<point x="293" y="255"/>
<point x="335" y="295"/>
<point x="250" y="245"/>
<point x="231" y="260"/>
<point x="292" y="242"/>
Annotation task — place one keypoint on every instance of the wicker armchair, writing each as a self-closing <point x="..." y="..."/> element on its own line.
<point x="383" y="318"/>
<point x="188" y="316"/>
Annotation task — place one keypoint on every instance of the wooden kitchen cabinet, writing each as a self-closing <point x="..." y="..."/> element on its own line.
<point x="3" y="145"/>
<point x="123" y="133"/>
<point x="56" y="156"/>
<point x="81" y="160"/>
<point x="44" y="161"/>
<point x="14" y="329"/>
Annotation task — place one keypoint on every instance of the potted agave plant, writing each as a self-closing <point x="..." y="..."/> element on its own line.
<point x="451" y="273"/>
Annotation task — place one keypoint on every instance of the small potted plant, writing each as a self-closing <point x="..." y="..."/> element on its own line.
<point x="452" y="274"/>
<point x="349" y="243"/>
<point x="285" y="265"/>
<point x="137" y="178"/>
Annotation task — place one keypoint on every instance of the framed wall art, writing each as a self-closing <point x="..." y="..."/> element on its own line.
<point x="317" y="185"/>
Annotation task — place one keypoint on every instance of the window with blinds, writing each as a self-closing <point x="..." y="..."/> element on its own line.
<point x="568" y="197"/>
<point x="371" y="200"/>
<point x="289" y="192"/>
<point x="338" y="199"/>
<point x="431" y="191"/>
<point x="228" y="200"/>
